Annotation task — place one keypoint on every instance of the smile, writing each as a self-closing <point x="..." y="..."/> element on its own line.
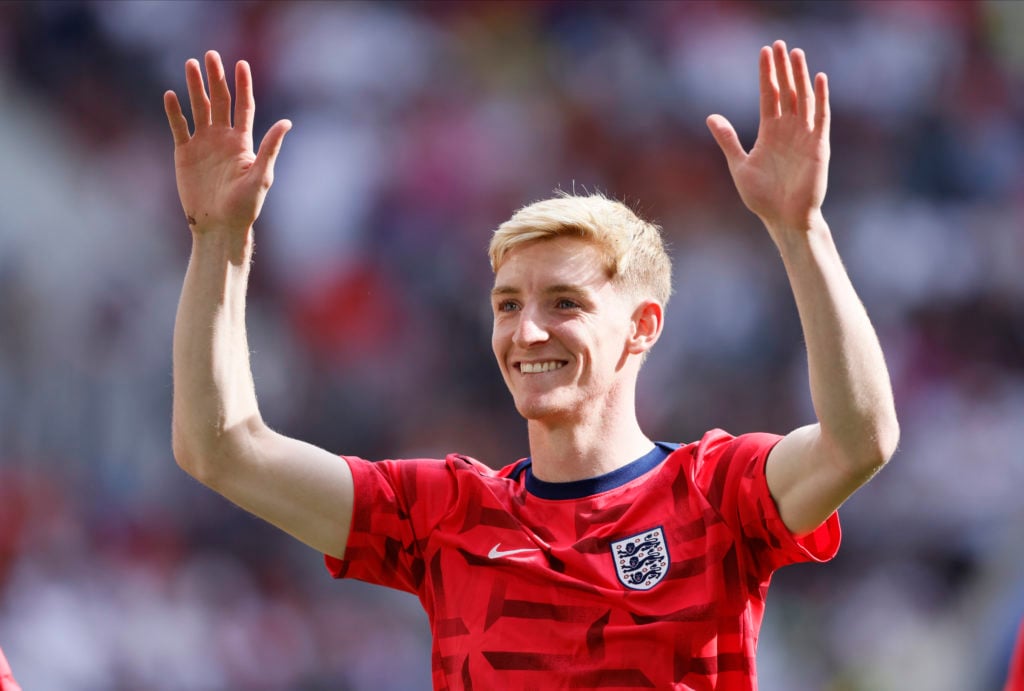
<point x="538" y="367"/>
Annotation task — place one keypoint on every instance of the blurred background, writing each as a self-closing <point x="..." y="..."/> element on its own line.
<point x="419" y="127"/>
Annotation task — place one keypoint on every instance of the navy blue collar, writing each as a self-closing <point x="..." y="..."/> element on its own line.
<point x="577" y="489"/>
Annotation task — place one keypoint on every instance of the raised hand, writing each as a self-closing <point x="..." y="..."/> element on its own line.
<point x="783" y="178"/>
<point x="221" y="181"/>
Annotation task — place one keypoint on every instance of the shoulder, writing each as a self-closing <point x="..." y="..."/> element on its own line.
<point x="718" y="441"/>
<point x="719" y="460"/>
<point x="717" y="446"/>
<point x="453" y="467"/>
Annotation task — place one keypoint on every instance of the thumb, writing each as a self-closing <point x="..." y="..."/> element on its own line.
<point x="723" y="132"/>
<point x="270" y="147"/>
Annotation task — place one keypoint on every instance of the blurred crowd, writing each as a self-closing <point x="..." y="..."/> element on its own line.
<point x="418" y="128"/>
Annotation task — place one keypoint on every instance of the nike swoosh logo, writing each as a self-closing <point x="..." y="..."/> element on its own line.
<point x="496" y="553"/>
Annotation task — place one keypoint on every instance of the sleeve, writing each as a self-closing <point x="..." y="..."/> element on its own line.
<point x="396" y="506"/>
<point x="731" y="472"/>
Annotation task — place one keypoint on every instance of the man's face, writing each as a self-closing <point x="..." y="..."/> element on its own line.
<point x="560" y="330"/>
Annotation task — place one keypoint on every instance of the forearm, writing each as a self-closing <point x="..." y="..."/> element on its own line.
<point x="849" y="381"/>
<point x="214" y="395"/>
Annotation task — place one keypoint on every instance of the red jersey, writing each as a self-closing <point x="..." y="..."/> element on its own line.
<point x="652" y="576"/>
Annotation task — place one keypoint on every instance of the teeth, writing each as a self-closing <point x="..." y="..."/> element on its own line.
<point x="537" y="367"/>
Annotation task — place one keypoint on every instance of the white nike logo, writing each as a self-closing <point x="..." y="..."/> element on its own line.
<point x="496" y="553"/>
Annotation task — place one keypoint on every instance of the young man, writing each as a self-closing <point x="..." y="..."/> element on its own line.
<point x="603" y="559"/>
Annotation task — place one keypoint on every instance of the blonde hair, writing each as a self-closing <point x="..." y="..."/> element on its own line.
<point x="634" y="249"/>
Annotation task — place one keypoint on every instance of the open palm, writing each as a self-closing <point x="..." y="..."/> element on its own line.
<point x="784" y="176"/>
<point x="221" y="181"/>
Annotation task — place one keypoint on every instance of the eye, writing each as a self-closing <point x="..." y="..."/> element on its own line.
<point x="506" y="306"/>
<point x="566" y="304"/>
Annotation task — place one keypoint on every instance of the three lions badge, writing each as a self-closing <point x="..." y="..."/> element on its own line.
<point x="641" y="561"/>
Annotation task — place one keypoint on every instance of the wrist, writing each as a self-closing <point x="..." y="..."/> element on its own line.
<point x="814" y="219"/>
<point x="813" y="243"/>
<point x="227" y="244"/>
<point x="796" y="232"/>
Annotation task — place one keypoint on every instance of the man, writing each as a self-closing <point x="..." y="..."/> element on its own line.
<point x="603" y="559"/>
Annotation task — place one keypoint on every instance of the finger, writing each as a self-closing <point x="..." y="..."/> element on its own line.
<point x="804" y="90"/>
<point x="822" y="109"/>
<point x="769" y="86"/>
<point x="220" y="94"/>
<point x="724" y="133"/>
<point x="784" y="77"/>
<point x="270" y="147"/>
<point x="197" y="94"/>
<point x="245" y="104"/>
<point x="175" y="118"/>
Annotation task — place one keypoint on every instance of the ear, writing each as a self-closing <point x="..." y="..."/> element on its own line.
<point x="648" y="320"/>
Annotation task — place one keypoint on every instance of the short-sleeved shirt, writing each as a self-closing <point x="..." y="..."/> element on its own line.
<point x="652" y="576"/>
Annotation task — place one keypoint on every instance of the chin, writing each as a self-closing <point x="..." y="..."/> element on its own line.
<point x="542" y="410"/>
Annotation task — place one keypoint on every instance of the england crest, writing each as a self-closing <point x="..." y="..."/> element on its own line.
<point x="641" y="560"/>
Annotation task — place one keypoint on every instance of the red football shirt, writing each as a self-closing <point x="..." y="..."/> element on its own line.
<point x="652" y="576"/>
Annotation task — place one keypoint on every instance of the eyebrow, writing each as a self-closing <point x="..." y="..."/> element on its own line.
<point x="557" y="288"/>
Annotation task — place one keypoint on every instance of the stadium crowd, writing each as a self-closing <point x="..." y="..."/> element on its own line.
<point x="419" y="128"/>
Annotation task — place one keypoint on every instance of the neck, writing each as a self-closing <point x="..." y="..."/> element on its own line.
<point x="569" y="453"/>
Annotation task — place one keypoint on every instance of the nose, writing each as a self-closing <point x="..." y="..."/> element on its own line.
<point x="530" y="329"/>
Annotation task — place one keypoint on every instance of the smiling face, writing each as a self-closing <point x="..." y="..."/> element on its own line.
<point x="564" y="332"/>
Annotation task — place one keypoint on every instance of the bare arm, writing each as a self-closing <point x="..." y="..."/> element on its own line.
<point x="219" y="436"/>
<point x="814" y="469"/>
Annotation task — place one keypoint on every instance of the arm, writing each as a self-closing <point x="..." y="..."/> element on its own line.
<point x="7" y="682"/>
<point x="218" y="434"/>
<point x="814" y="469"/>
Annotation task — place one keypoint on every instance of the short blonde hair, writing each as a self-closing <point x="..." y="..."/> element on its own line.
<point x="635" y="251"/>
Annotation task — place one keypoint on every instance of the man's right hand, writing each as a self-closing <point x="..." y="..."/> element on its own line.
<point x="221" y="181"/>
<point x="218" y="434"/>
